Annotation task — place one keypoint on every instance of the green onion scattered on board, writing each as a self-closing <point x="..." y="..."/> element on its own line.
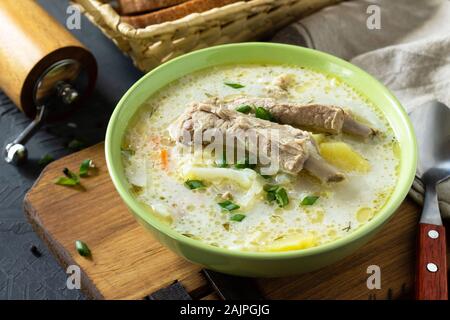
<point x="82" y="248"/>
<point x="85" y="166"/>
<point x="76" y="145"/>
<point x="45" y="160"/>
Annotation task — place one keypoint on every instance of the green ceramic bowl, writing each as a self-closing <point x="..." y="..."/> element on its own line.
<point x="260" y="264"/>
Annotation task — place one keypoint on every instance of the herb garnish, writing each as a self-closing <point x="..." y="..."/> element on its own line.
<point x="347" y="229"/>
<point x="85" y="166"/>
<point x="281" y="197"/>
<point x="71" y="175"/>
<point x="64" y="181"/>
<point x="76" y="145"/>
<point x="237" y="217"/>
<point x="82" y="248"/>
<point x="70" y="178"/>
<point x="194" y="184"/>
<point x="234" y="85"/>
<point x="45" y="160"/>
<point x="228" y="205"/>
<point x="244" y="109"/>
<point x="263" y="113"/>
<point x="309" y="200"/>
<point x="277" y="193"/>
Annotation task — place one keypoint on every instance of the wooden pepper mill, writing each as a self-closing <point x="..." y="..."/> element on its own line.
<point x="44" y="70"/>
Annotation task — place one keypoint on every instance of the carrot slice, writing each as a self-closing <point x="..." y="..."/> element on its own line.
<point x="164" y="158"/>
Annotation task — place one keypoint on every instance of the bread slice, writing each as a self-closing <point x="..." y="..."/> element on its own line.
<point x="129" y="7"/>
<point x="175" y="12"/>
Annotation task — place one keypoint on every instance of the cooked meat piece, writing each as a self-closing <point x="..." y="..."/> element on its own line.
<point x="351" y="126"/>
<point x="313" y="117"/>
<point x="321" y="169"/>
<point x="295" y="146"/>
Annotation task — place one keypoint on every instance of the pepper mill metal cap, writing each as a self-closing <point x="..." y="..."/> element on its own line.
<point x="15" y="153"/>
<point x="55" y="92"/>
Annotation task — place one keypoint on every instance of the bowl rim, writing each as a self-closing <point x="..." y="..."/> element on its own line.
<point x="403" y="184"/>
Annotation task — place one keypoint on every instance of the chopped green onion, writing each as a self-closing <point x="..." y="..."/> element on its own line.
<point x="76" y="145"/>
<point x="45" y="160"/>
<point x="237" y="217"/>
<point x="348" y="228"/>
<point x="309" y="200"/>
<point x="263" y="113"/>
<point x="194" y="184"/>
<point x="82" y="248"/>
<point x="64" y="181"/>
<point x="281" y="197"/>
<point x="270" y="188"/>
<point x="228" y="205"/>
<point x="270" y="196"/>
<point x="277" y="193"/>
<point x="244" y="109"/>
<point x="244" y="163"/>
<point x="85" y="166"/>
<point x="234" y="85"/>
<point x="71" y="175"/>
<point x="69" y="179"/>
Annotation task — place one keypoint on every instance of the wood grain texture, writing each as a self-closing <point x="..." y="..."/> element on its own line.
<point x="431" y="285"/>
<point x="30" y="42"/>
<point x="175" y="12"/>
<point x="128" y="263"/>
<point x="128" y="7"/>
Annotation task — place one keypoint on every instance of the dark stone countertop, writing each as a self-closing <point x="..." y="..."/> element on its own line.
<point x="22" y="275"/>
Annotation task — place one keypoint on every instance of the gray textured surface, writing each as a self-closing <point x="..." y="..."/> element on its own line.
<point x="22" y="275"/>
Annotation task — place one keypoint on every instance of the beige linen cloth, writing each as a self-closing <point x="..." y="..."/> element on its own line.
<point x="410" y="53"/>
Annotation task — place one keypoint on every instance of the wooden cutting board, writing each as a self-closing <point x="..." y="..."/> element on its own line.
<point x="128" y="263"/>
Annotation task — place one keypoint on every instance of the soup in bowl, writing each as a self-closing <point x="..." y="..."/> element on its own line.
<point x="260" y="159"/>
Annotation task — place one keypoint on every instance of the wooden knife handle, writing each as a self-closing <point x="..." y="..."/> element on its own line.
<point x="431" y="272"/>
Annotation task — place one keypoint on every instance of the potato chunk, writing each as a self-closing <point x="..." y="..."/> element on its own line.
<point x="341" y="155"/>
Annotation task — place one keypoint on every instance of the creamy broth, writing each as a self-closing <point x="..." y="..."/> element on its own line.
<point x="154" y="166"/>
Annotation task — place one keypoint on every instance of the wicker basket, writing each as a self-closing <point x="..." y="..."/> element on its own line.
<point x="237" y="22"/>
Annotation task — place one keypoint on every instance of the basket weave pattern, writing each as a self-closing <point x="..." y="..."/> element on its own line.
<point x="237" y="22"/>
